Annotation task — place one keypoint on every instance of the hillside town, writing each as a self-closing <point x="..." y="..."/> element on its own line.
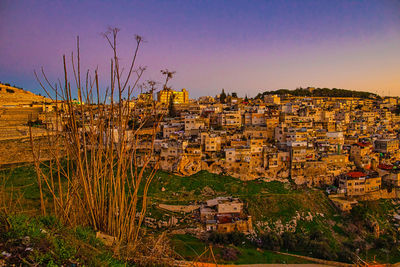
<point x="200" y="133"/>
<point x="349" y="145"/>
<point x="346" y="146"/>
<point x="311" y="140"/>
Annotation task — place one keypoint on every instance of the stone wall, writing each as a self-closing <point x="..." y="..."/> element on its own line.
<point x="15" y="151"/>
<point x="381" y="194"/>
<point x="18" y="115"/>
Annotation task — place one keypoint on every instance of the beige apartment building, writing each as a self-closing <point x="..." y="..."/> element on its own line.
<point x="178" y="97"/>
<point x="386" y="145"/>
<point x="212" y="143"/>
<point x="359" y="183"/>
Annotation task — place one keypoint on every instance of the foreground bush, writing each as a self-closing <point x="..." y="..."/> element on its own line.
<point x="44" y="241"/>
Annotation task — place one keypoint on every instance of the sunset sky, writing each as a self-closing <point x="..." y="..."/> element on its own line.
<point x="243" y="46"/>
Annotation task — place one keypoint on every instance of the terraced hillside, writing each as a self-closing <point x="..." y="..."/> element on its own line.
<point x="10" y="95"/>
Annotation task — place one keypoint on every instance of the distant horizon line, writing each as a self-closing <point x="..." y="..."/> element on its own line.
<point x="232" y="91"/>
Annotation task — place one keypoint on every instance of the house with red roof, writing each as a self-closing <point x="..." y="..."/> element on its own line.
<point x="356" y="183"/>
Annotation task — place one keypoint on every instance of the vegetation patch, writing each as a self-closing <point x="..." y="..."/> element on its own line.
<point x="44" y="241"/>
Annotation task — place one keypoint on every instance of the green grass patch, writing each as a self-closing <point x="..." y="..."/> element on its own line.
<point x="188" y="246"/>
<point x="169" y="187"/>
<point x="253" y="256"/>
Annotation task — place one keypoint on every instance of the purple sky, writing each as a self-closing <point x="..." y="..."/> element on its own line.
<point x="242" y="46"/>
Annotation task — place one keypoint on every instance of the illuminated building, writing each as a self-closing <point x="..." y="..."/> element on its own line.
<point x="178" y="97"/>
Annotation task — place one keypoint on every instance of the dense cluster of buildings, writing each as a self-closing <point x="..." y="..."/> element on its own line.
<point x="348" y="143"/>
<point x="352" y="143"/>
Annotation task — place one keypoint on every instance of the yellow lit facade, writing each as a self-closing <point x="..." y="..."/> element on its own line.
<point x="179" y="97"/>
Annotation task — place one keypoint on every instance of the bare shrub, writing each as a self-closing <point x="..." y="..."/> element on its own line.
<point x="154" y="249"/>
<point x="10" y="198"/>
<point x="98" y="175"/>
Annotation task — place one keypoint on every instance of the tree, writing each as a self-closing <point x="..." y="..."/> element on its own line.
<point x="359" y="213"/>
<point x="271" y="241"/>
<point x="234" y="95"/>
<point x="289" y="241"/>
<point x="222" y="97"/>
<point x="321" y="249"/>
<point x="230" y="254"/>
<point x="168" y="76"/>
<point x="171" y="106"/>
<point x="397" y="110"/>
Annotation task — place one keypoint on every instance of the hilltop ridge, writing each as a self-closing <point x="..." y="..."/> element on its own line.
<point x="320" y="92"/>
<point x="11" y="95"/>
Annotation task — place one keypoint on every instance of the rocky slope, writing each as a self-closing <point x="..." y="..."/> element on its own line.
<point x="10" y="95"/>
